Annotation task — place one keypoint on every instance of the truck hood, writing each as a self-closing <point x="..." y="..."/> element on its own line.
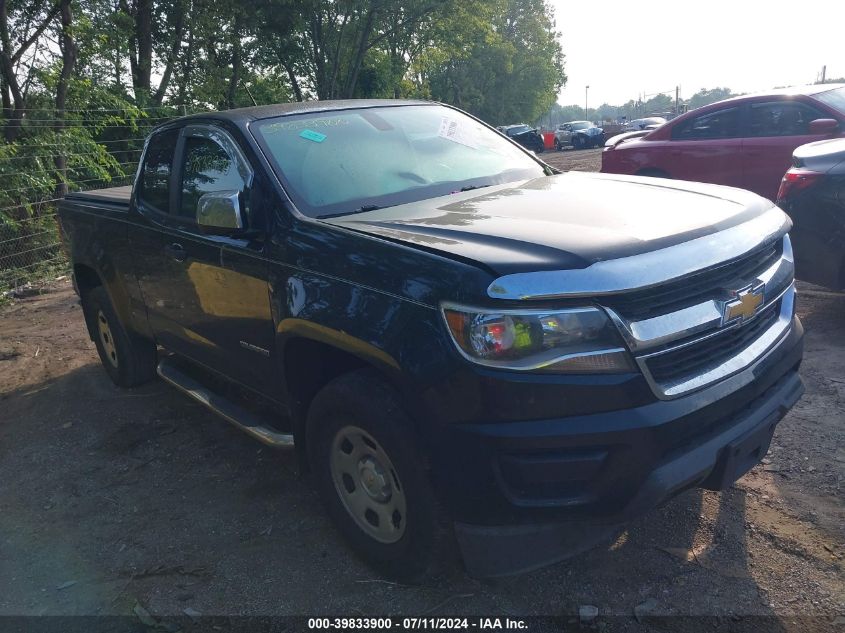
<point x="561" y="222"/>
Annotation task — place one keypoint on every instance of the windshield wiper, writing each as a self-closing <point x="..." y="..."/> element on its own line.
<point x="363" y="209"/>
<point x="471" y="187"/>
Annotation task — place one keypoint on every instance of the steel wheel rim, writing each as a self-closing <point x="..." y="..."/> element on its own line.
<point x="368" y="485"/>
<point x="107" y="339"/>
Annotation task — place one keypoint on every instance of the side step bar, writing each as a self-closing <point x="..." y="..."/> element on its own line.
<point x="236" y="415"/>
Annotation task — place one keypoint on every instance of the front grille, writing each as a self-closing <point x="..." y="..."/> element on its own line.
<point x="696" y="288"/>
<point x="696" y="358"/>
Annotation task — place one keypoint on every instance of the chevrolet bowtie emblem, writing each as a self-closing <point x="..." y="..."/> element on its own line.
<point x="748" y="301"/>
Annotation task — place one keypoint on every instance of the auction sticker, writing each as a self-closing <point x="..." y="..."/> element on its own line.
<point x="311" y="135"/>
<point x="457" y="131"/>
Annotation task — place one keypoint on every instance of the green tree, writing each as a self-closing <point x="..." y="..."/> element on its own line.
<point x="504" y="65"/>
<point x="706" y="96"/>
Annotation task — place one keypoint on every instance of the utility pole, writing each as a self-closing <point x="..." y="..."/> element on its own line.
<point x="586" y="98"/>
<point x="677" y="100"/>
<point x="824" y="72"/>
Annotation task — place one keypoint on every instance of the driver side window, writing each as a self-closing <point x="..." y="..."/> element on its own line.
<point x="207" y="168"/>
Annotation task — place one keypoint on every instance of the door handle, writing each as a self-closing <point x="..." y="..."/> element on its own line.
<point x="176" y="251"/>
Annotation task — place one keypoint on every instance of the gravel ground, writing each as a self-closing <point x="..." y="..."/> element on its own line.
<point x="112" y="499"/>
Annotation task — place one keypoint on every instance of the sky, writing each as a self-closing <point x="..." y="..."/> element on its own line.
<point x="624" y="49"/>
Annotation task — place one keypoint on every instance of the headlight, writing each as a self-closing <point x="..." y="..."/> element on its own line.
<point x="578" y="340"/>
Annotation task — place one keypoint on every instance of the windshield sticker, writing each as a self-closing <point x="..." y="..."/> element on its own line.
<point x="457" y="132"/>
<point x="311" y="135"/>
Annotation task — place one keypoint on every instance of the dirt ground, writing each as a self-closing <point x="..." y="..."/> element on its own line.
<point x="579" y="160"/>
<point x="110" y="499"/>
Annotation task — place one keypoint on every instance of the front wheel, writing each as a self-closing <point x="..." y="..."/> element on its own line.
<point x="372" y="478"/>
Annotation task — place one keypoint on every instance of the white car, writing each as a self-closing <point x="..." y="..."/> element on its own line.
<point x="648" y="123"/>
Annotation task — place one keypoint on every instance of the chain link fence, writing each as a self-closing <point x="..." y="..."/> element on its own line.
<point x="31" y="250"/>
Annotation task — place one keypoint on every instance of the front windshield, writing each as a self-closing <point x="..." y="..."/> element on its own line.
<point x="834" y="98"/>
<point x="346" y="161"/>
<point x="580" y="125"/>
<point x="518" y="129"/>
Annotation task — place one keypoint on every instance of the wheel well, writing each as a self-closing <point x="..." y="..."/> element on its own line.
<point x="86" y="278"/>
<point x="309" y="366"/>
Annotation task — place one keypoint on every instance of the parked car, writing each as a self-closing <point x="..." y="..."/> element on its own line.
<point x="743" y="142"/>
<point x="578" y="134"/>
<point x="457" y="340"/>
<point x="812" y="192"/>
<point x="648" y="123"/>
<point x="525" y="135"/>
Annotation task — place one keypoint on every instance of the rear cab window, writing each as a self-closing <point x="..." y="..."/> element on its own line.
<point x="154" y="181"/>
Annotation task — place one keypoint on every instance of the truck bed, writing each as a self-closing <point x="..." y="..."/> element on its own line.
<point x="118" y="196"/>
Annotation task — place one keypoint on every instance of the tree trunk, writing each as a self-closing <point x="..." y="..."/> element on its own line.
<point x="69" y="54"/>
<point x="363" y="46"/>
<point x="187" y="68"/>
<point x="178" y="32"/>
<point x="294" y="82"/>
<point x="144" y="38"/>
<point x="12" y="97"/>
<point x="237" y="62"/>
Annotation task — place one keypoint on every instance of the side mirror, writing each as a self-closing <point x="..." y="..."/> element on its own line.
<point x="824" y="126"/>
<point x="220" y="212"/>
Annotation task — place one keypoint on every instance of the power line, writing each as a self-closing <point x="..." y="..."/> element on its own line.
<point x="27" y="236"/>
<point x="32" y="219"/>
<point x="122" y="151"/>
<point x="127" y="109"/>
<point x="10" y="273"/>
<point x="66" y="120"/>
<point x="117" y="140"/>
<point x="30" y="203"/>
<point x="33" y="125"/>
<point x="70" y="184"/>
<point x="30" y="250"/>
<point x="52" y="171"/>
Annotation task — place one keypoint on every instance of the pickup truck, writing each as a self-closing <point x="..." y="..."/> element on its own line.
<point x="463" y="346"/>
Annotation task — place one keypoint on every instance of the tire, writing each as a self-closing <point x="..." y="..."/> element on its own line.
<point x="128" y="359"/>
<point x="558" y="146"/>
<point x="371" y="475"/>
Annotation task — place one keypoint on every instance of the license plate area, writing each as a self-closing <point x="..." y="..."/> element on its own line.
<point x="741" y="455"/>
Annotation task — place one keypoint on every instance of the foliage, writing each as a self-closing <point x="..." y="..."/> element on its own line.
<point x="705" y="97"/>
<point x="83" y="81"/>
<point x="503" y="61"/>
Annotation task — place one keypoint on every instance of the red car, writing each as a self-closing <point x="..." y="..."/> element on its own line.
<point x="743" y="142"/>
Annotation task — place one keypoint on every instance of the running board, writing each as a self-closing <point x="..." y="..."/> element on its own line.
<point x="236" y="415"/>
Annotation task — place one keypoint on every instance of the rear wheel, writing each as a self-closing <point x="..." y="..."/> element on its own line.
<point x="373" y="480"/>
<point x="128" y="359"/>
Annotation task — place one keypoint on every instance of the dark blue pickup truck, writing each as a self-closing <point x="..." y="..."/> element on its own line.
<point x="462" y="345"/>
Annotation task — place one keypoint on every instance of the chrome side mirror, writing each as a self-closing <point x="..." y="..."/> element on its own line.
<point x="220" y="210"/>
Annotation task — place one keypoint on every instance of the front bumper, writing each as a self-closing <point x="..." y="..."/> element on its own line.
<point x="531" y="493"/>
